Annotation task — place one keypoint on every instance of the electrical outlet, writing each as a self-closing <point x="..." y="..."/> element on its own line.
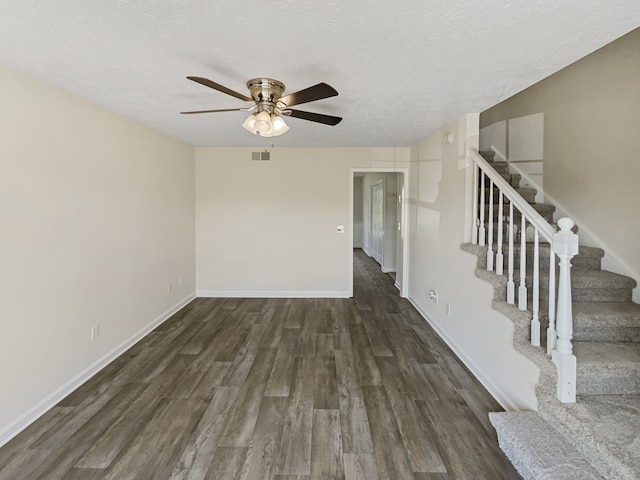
<point x="95" y="331"/>
<point x="448" y="309"/>
<point x="433" y="296"/>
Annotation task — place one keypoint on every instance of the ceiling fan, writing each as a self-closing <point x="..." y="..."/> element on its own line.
<point x="269" y="106"/>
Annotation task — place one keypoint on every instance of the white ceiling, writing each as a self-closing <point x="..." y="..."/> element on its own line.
<point x="403" y="68"/>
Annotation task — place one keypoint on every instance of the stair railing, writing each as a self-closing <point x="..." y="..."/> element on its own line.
<point x="563" y="243"/>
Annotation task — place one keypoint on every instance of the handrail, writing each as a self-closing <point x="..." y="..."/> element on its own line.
<point x="545" y="228"/>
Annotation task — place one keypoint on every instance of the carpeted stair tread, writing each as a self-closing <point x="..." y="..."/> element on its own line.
<point x="607" y="368"/>
<point x="500" y="167"/>
<point x="602" y="321"/>
<point x="600" y="279"/>
<point x="542" y="208"/>
<point x="544" y="248"/>
<point x="628" y="313"/>
<point x="580" y="278"/>
<point x="537" y="450"/>
<point x="488" y="155"/>
<point x="512" y="179"/>
<point x="529" y="194"/>
<point x="589" y="258"/>
<point x="545" y="210"/>
<point x="603" y="428"/>
<point x="587" y="285"/>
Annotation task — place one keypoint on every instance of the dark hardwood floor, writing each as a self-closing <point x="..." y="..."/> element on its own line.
<point x="284" y="389"/>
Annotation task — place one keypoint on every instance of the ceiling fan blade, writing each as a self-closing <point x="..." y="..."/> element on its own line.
<point x="310" y="94"/>
<point x="223" y="110"/>
<point x="221" y="88"/>
<point x="314" y="117"/>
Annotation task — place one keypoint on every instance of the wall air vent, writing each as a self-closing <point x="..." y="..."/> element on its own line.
<point x="266" y="155"/>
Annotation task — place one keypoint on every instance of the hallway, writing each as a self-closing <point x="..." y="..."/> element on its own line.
<point x="281" y="389"/>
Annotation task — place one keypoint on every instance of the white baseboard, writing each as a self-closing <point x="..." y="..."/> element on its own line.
<point x="51" y="400"/>
<point x="496" y="392"/>
<point x="271" y="294"/>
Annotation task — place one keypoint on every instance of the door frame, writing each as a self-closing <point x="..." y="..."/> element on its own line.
<point x="404" y="285"/>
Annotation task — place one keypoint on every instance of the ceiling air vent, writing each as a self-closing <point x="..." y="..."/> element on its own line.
<point x="261" y="155"/>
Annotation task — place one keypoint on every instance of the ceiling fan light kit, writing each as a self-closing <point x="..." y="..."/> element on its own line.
<point x="265" y="125"/>
<point x="266" y="96"/>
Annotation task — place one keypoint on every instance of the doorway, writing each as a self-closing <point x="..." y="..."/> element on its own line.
<point x="378" y="220"/>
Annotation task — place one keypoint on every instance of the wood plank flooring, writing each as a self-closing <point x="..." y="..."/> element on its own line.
<point x="283" y="389"/>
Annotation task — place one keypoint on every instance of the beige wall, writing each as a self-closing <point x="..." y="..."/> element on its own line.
<point x="591" y="146"/>
<point x="438" y="224"/>
<point x="268" y="228"/>
<point x="97" y="217"/>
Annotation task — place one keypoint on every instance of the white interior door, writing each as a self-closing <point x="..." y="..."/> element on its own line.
<point x="377" y="221"/>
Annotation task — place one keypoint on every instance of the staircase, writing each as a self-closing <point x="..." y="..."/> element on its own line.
<point x="599" y="435"/>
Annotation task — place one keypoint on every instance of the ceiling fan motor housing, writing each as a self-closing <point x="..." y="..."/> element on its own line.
<point x="265" y="92"/>
<point x="266" y="96"/>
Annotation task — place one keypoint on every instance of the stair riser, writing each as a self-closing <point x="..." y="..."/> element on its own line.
<point x="517" y="218"/>
<point x="607" y="381"/>
<point x="488" y="155"/>
<point x="601" y="294"/>
<point x="586" y="294"/>
<point x="585" y="288"/>
<point x="583" y="262"/>
<point x="512" y="179"/>
<point x="528" y="195"/>
<point x="597" y="334"/>
<point x="500" y="167"/>
<point x="529" y="233"/>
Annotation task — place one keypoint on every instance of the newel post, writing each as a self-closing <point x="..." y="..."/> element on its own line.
<point x="565" y="245"/>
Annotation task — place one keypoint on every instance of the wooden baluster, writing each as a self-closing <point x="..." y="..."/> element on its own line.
<point x="511" y="289"/>
<point x="481" y="231"/>
<point x="565" y="245"/>
<point x="474" y="226"/>
<point x="535" y="320"/>
<point x="490" y="243"/>
<point x="522" y="290"/>
<point x="551" y="329"/>
<point x="499" y="256"/>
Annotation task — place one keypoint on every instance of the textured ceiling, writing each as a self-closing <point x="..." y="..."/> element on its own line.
<point x="402" y="68"/>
